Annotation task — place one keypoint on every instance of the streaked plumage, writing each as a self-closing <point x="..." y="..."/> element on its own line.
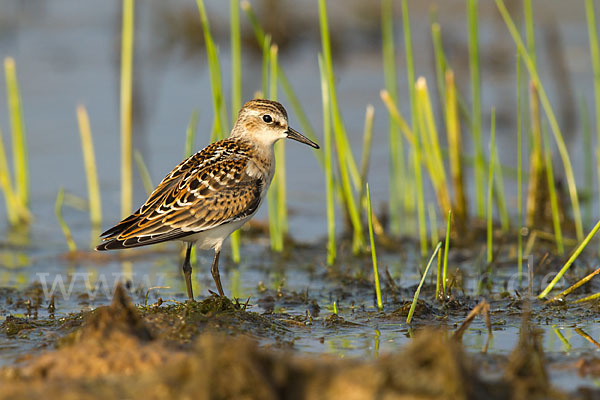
<point x="213" y="192"/>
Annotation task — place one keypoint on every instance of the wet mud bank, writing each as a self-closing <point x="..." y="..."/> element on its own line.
<point x="209" y="349"/>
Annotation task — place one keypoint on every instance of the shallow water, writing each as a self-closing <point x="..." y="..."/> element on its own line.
<point x="68" y="55"/>
<point x="286" y="289"/>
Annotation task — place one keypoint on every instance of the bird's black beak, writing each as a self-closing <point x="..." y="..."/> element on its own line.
<point x="292" y="134"/>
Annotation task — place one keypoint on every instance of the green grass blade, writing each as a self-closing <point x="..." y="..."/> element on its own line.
<point x="587" y="160"/>
<point x="396" y="151"/>
<point x="410" y="66"/>
<point x="348" y="170"/>
<point x="575" y="286"/>
<point x="433" y="224"/>
<point x="442" y="66"/>
<point x="501" y="196"/>
<point x="440" y="61"/>
<point x="282" y="212"/>
<point x="143" y="171"/>
<point x="91" y="172"/>
<point x="266" y="46"/>
<point x="10" y="199"/>
<point x="329" y="185"/>
<point x="536" y="160"/>
<point x="438" y="281"/>
<point x="236" y="58"/>
<point x="416" y="158"/>
<point x="307" y="129"/>
<point x="558" y="137"/>
<point x="587" y="298"/>
<point x="127" y="107"/>
<point x="430" y="145"/>
<point x="270" y="90"/>
<point x="411" y="311"/>
<point x="19" y="140"/>
<point x="214" y="68"/>
<point x="455" y="147"/>
<point x="276" y="195"/>
<point x="446" y="249"/>
<point x="519" y="172"/>
<point x="373" y="253"/>
<point x="529" y="31"/>
<point x="595" y="55"/>
<point x="552" y="192"/>
<point x="490" y="194"/>
<point x="190" y="134"/>
<point x="410" y="76"/>
<point x="65" y="228"/>
<point x="476" y="103"/>
<point x="366" y="146"/>
<point x="394" y="113"/>
<point x="420" y="200"/>
<point x="221" y="125"/>
<point x="570" y="261"/>
<point x="338" y="123"/>
<point x="236" y="94"/>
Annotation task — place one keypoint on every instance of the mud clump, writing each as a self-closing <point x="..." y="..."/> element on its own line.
<point x="525" y="370"/>
<point x="181" y="323"/>
<point x="422" y="309"/>
<point x="121" y="317"/>
<point x="436" y="368"/>
<point x="12" y="326"/>
<point x="112" y="340"/>
<point x="219" y="367"/>
<point x="431" y="369"/>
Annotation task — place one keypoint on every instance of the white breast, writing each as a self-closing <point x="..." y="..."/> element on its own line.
<point x="213" y="238"/>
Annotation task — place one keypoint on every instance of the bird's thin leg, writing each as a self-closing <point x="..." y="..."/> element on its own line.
<point x="187" y="271"/>
<point x="215" y="272"/>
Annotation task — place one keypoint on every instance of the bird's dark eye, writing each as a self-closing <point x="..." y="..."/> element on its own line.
<point x="267" y="118"/>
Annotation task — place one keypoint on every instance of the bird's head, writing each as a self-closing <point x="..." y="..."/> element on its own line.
<point x="265" y="122"/>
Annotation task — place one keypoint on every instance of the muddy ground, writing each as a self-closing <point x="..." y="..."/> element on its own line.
<point x="209" y="350"/>
<point x="281" y="337"/>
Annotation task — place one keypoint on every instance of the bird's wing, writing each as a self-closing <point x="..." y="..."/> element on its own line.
<point x="209" y="189"/>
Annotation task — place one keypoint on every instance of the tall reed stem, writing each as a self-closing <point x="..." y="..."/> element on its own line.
<point x="61" y="221"/>
<point x="558" y="137"/>
<point x="490" y="196"/>
<point x="396" y="150"/>
<point x="19" y="140"/>
<point x="236" y="93"/>
<point x="89" y="159"/>
<point x="595" y="55"/>
<point x="552" y="192"/>
<point x="329" y="186"/>
<point x="519" y="172"/>
<point x="409" y="195"/>
<point x="13" y="206"/>
<point x="126" y="107"/>
<point x="455" y="148"/>
<point x="348" y="170"/>
<point x="476" y="104"/>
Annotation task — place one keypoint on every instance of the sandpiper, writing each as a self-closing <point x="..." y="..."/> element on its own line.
<point x="212" y="193"/>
